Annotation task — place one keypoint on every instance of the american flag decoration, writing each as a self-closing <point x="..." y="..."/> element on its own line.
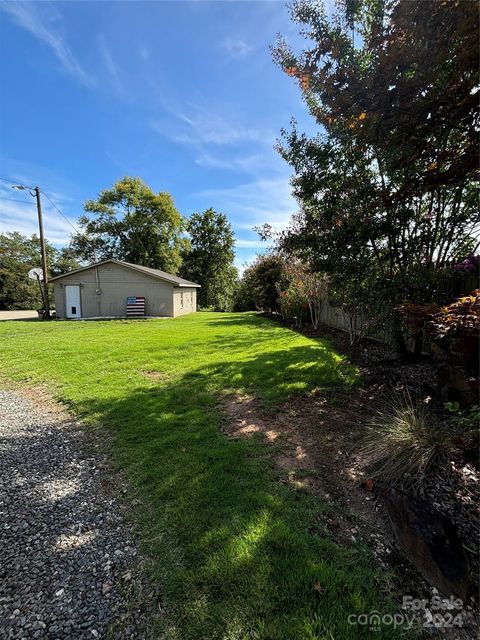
<point x="135" y="306"/>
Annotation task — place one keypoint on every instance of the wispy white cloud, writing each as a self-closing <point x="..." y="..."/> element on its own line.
<point x="251" y="244"/>
<point x="144" y="52"/>
<point x="111" y="67"/>
<point x="209" y="161"/>
<point x="202" y="126"/>
<point x="45" y="27"/>
<point x="237" y="48"/>
<point x="247" y="163"/>
<point x="255" y="202"/>
<point x="18" y="213"/>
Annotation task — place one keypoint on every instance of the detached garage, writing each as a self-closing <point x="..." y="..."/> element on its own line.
<point x="112" y="288"/>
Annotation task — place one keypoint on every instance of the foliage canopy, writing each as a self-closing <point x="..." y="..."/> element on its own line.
<point x="19" y="254"/>
<point x="130" y="222"/>
<point x="387" y="189"/>
<point x="209" y="260"/>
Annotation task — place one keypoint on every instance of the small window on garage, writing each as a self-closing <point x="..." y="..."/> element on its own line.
<point x="181" y="300"/>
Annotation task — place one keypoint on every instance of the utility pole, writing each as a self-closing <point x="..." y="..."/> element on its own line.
<point x="35" y="191"/>
<point x="44" y="253"/>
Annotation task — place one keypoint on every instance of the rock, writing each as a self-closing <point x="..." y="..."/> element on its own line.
<point x="106" y="587"/>
<point x="457" y="385"/>
<point x="430" y="541"/>
<point x="52" y="549"/>
<point x="368" y="484"/>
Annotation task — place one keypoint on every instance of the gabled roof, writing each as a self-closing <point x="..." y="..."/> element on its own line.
<point x="155" y="273"/>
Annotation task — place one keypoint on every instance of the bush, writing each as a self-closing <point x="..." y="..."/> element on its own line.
<point x="461" y="318"/>
<point x="302" y="292"/>
<point x="404" y="442"/>
<point x="411" y="319"/>
<point x="243" y="297"/>
<point x="455" y="336"/>
<point x="293" y="304"/>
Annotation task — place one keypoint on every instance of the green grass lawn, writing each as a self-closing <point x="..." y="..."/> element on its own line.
<point x="236" y="552"/>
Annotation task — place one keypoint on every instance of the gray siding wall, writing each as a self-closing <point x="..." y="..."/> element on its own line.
<point x="116" y="284"/>
<point x="184" y="301"/>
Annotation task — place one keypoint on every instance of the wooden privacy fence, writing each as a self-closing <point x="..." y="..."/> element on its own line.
<point x="449" y="289"/>
<point x="337" y="319"/>
<point x="333" y="316"/>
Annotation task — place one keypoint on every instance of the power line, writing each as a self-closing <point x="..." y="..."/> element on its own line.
<point x="58" y="210"/>
<point x="16" y="200"/>
<point x="17" y="182"/>
<point x="47" y="197"/>
<point x="10" y="181"/>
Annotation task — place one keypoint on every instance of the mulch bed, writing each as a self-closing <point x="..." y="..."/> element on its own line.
<point x="321" y="452"/>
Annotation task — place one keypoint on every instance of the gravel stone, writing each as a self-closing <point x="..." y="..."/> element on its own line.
<point x="58" y="525"/>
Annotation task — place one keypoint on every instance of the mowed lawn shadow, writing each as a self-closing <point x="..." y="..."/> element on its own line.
<point x="235" y="552"/>
<point x="231" y="543"/>
<point x="280" y="373"/>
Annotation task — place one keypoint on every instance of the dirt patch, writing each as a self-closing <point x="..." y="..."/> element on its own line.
<point x="318" y="448"/>
<point x="41" y="397"/>
<point x="155" y="375"/>
<point x="245" y="419"/>
<point x="317" y="435"/>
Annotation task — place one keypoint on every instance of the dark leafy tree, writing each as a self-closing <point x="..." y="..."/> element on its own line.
<point x="401" y="75"/>
<point x="209" y="261"/>
<point x="243" y="297"/>
<point x="64" y="260"/>
<point x="261" y="283"/>
<point x="130" y="222"/>
<point x="387" y="189"/>
<point x="19" y="254"/>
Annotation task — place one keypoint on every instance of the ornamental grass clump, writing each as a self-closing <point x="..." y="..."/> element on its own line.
<point x="403" y="442"/>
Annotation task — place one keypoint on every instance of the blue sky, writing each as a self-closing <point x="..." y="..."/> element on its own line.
<point x="183" y="94"/>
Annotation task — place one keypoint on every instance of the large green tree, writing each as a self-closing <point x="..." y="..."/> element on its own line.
<point x="387" y="188"/>
<point x="261" y="283"/>
<point x="19" y="254"/>
<point x="209" y="261"/>
<point x="130" y="222"/>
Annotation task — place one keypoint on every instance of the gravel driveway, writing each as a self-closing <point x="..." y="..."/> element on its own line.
<point x="66" y="555"/>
